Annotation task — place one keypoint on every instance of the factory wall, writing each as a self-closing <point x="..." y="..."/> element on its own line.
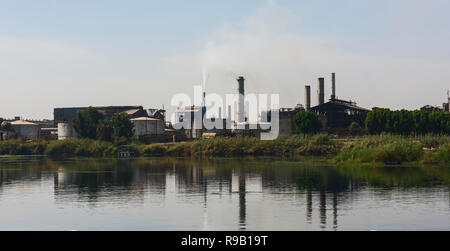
<point x="148" y="126"/>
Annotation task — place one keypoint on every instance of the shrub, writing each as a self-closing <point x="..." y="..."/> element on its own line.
<point x="383" y="148"/>
<point x="62" y="148"/>
<point x="307" y="122"/>
<point x="86" y="123"/>
<point x="123" y="127"/>
<point x="443" y="154"/>
<point x="154" y="150"/>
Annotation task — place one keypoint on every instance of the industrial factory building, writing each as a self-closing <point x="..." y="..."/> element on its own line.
<point x="337" y="113"/>
<point x="145" y="125"/>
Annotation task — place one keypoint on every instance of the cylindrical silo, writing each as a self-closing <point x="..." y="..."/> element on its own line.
<point x="65" y="131"/>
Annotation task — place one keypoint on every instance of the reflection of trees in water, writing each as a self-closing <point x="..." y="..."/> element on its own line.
<point x="21" y="172"/>
<point x="403" y="177"/>
<point x="93" y="180"/>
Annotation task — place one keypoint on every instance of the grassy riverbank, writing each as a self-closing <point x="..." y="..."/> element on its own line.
<point x="367" y="149"/>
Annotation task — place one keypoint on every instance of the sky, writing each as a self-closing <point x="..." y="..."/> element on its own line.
<point x="70" y="53"/>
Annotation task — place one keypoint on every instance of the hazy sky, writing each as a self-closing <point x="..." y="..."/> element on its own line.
<point x="108" y="52"/>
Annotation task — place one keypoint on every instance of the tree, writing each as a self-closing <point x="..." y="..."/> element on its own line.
<point x="5" y="126"/>
<point x="105" y="131"/>
<point x="354" y="127"/>
<point x="123" y="127"/>
<point x="86" y="123"/>
<point x="307" y="122"/>
<point x="407" y="122"/>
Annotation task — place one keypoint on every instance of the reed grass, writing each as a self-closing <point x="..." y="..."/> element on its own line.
<point x="366" y="149"/>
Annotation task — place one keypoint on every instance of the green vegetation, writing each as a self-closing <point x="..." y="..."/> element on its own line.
<point x="319" y="145"/>
<point x="19" y="147"/>
<point x="384" y="148"/>
<point x="354" y="127"/>
<point x="307" y="122"/>
<point x="394" y="149"/>
<point x="91" y="124"/>
<point x="5" y="126"/>
<point x="86" y="123"/>
<point x="122" y="125"/>
<point x="407" y="122"/>
<point x="284" y="147"/>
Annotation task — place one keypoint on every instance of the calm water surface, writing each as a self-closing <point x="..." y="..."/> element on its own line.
<point x="225" y="194"/>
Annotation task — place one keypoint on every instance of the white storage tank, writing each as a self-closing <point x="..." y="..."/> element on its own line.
<point x="66" y="131"/>
<point x="148" y="126"/>
<point x="25" y="129"/>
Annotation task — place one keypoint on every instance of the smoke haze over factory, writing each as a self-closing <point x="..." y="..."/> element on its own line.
<point x="390" y="55"/>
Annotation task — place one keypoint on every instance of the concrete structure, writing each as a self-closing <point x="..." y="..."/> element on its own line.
<point x="308" y="97"/>
<point x="286" y="118"/>
<point x="25" y="129"/>
<point x="333" y="86"/>
<point x="241" y="103"/>
<point x="321" y="91"/>
<point x="148" y="126"/>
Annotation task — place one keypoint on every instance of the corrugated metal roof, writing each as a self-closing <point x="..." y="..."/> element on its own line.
<point x="130" y="112"/>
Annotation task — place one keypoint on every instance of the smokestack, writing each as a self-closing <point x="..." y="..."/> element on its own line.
<point x="321" y="91"/>
<point x="308" y="97"/>
<point x="220" y="113"/>
<point x="333" y="86"/>
<point x="241" y="105"/>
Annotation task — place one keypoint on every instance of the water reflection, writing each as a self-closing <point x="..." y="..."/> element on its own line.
<point x="317" y="190"/>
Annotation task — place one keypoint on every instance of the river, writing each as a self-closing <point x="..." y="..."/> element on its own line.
<point x="219" y="194"/>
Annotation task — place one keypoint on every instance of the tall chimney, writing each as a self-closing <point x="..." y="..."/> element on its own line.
<point x="308" y="97"/>
<point x="321" y="91"/>
<point x="220" y="113"/>
<point x="333" y="86"/>
<point x="241" y="105"/>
